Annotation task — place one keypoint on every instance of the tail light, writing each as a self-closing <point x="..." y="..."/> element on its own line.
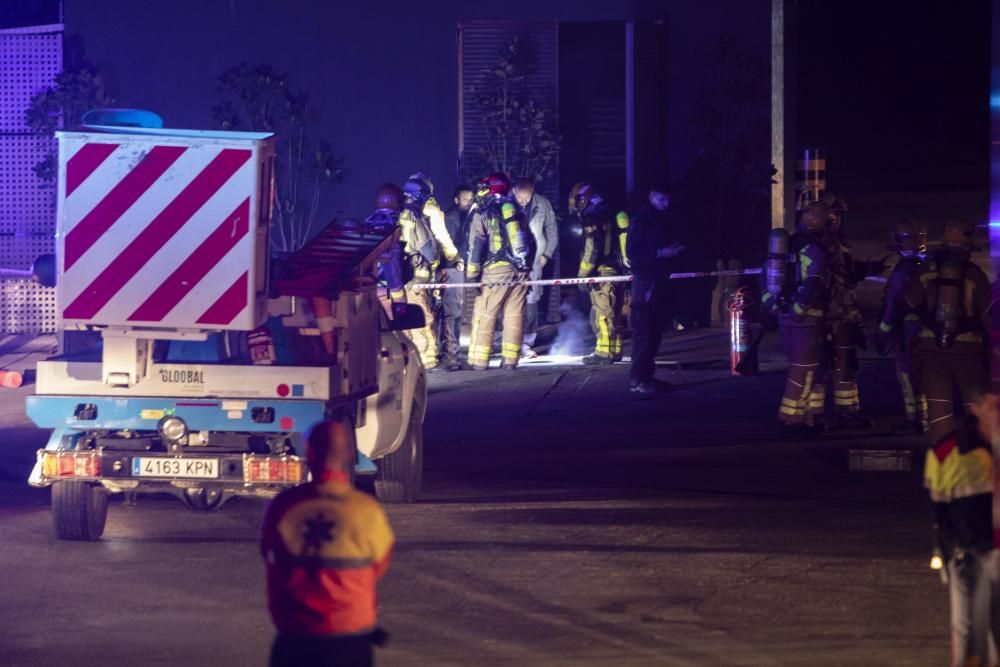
<point x="71" y="465"/>
<point x="272" y="469"/>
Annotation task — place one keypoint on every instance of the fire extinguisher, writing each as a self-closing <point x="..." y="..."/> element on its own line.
<point x="739" y="330"/>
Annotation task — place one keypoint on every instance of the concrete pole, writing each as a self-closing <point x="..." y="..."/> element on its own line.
<point x="782" y="114"/>
<point x="994" y="219"/>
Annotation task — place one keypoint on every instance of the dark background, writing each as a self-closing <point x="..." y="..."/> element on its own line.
<point x="897" y="93"/>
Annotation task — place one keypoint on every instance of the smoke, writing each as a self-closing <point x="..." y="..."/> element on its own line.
<point x="574" y="331"/>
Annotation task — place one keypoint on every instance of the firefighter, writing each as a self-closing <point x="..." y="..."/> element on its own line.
<point x="389" y="268"/>
<point x="541" y="218"/>
<point x="603" y="255"/>
<point x="426" y="242"/>
<point x="325" y="546"/>
<point x="500" y="250"/>
<point x="958" y="475"/>
<point x="844" y="329"/>
<point x="456" y="221"/>
<point x="952" y="295"/>
<point x="800" y="311"/>
<point x="899" y="326"/>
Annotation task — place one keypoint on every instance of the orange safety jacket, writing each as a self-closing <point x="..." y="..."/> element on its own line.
<point x="326" y="545"/>
<point x="958" y="476"/>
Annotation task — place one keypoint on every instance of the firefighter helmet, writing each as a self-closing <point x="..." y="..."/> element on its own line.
<point x="959" y="233"/>
<point x="578" y="196"/>
<point x="838" y="208"/>
<point x="421" y="176"/>
<point x="908" y="236"/>
<point x="494" y="186"/>
<point x="816" y="217"/>
<point x="416" y="190"/>
<point x="389" y="197"/>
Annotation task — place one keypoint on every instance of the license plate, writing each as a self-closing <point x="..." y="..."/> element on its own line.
<point x="179" y="467"/>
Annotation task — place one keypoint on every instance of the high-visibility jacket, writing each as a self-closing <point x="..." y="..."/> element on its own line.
<point x="426" y="238"/>
<point x="604" y="243"/>
<point x="958" y="476"/>
<point x="326" y="545"/>
<point x="811" y="278"/>
<point x="439" y="230"/>
<point x="898" y="318"/>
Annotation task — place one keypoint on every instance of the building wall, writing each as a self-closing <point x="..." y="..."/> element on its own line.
<point x="382" y="75"/>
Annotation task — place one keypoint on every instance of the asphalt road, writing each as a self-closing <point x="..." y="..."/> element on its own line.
<point x="565" y="522"/>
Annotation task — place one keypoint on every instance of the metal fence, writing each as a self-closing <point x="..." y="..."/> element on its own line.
<point x="30" y="59"/>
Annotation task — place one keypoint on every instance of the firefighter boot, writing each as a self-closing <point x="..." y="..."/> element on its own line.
<point x="596" y="360"/>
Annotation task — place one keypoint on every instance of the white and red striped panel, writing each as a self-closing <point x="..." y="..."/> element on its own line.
<point x="157" y="233"/>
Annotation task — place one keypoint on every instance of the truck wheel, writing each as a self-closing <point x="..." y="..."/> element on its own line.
<point x="401" y="474"/>
<point x="79" y="510"/>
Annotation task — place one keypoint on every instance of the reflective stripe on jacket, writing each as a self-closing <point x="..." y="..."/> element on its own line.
<point x="897" y="316"/>
<point x="812" y="282"/>
<point x="958" y="476"/>
<point x="599" y="243"/>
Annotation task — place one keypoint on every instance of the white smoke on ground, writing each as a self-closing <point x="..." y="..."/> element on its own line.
<point x="574" y="333"/>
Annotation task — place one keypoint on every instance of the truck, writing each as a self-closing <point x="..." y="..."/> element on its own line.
<point x="209" y="361"/>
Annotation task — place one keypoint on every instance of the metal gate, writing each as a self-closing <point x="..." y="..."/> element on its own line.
<point x="30" y="60"/>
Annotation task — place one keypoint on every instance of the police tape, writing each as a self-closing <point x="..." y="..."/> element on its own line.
<point x="597" y="280"/>
<point x="583" y="281"/>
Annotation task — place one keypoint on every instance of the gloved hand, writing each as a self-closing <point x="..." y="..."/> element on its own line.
<point x="460" y="265"/>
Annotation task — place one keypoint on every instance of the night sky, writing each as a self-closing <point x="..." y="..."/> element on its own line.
<point x="897" y="92"/>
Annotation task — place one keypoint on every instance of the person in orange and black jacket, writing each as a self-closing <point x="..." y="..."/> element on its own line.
<point x="325" y="545"/>
<point x="958" y="475"/>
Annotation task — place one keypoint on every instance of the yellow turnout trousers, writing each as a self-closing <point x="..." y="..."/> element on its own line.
<point x="511" y="300"/>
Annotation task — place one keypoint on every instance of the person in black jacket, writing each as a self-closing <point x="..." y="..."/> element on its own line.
<point x="649" y="248"/>
<point x="958" y="475"/>
<point x="456" y="221"/>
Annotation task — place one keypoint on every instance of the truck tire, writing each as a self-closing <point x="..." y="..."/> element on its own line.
<point x="401" y="474"/>
<point x="79" y="510"/>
